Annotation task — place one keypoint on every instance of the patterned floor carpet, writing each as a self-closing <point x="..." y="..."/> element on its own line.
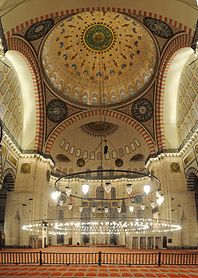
<point x="98" y="271"/>
<point x="94" y="270"/>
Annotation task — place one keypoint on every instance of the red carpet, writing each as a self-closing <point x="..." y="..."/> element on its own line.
<point x="94" y="270"/>
<point x="97" y="271"/>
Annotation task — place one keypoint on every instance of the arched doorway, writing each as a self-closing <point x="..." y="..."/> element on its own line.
<point x="3" y="196"/>
<point x="6" y="189"/>
<point x="7" y="186"/>
<point x="192" y="184"/>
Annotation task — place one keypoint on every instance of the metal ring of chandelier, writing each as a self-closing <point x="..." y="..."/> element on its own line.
<point x="106" y="177"/>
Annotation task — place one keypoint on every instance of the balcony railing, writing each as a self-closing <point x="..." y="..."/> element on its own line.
<point x="100" y="258"/>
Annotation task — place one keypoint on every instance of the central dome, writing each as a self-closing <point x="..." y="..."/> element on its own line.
<point x="95" y="58"/>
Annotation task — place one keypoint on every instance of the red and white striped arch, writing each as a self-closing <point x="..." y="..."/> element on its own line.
<point x="179" y="42"/>
<point x="27" y="53"/>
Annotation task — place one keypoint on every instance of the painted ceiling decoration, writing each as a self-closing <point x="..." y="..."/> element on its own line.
<point x="142" y="110"/>
<point x="39" y="29"/>
<point x="99" y="128"/>
<point x="158" y="27"/>
<point x="95" y="58"/>
<point x="98" y="37"/>
<point x="57" y="110"/>
<point x="82" y="54"/>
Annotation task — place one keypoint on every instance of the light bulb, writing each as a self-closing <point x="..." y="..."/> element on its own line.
<point x="157" y="194"/>
<point x="147" y="189"/>
<point x="80" y="208"/>
<point x="119" y="209"/>
<point x="129" y="188"/>
<point x="70" y="206"/>
<point x="68" y="191"/>
<point x="106" y="210"/>
<point x="55" y="195"/>
<point x="160" y="200"/>
<point x="107" y="187"/>
<point x="131" y="208"/>
<point x="93" y="209"/>
<point x="85" y="188"/>
<point x="143" y="207"/>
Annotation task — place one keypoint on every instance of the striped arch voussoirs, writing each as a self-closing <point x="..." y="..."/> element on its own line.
<point x="9" y="171"/>
<point x="191" y="176"/>
<point x="10" y="176"/>
<point x="62" y="13"/>
<point x="180" y="41"/>
<point x="109" y="113"/>
<point x="17" y="43"/>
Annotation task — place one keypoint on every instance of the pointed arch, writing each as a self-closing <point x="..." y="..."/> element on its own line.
<point x="25" y="53"/>
<point x="9" y="179"/>
<point x="192" y="178"/>
<point x="178" y="42"/>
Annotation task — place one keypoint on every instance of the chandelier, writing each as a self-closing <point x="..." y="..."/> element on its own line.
<point x="130" y="210"/>
<point x="109" y="214"/>
<point x="139" y="188"/>
<point x="96" y="227"/>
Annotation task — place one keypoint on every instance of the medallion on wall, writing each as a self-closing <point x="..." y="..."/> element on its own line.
<point x="39" y="29"/>
<point x="56" y="110"/>
<point x="80" y="162"/>
<point x="25" y="168"/>
<point x="119" y="162"/>
<point x="158" y="27"/>
<point x="175" y="167"/>
<point x="142" y="110"/>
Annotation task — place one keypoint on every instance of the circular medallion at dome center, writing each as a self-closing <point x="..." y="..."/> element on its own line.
<point x="98" y="37"/>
